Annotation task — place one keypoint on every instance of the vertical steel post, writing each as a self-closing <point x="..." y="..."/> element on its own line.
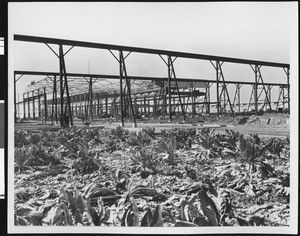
<point x="193" y="101"/>
<point x="28" y="104"/>
<point x="63" y="69"/>
<point x="217" y="84"/>
<point x="53" y="102"/>
<point x="149" y="104"/>
<point x="115" y="103"/>
<point x="67" y="91"/>
<point x="288" y="88"/>
<point x="39" y="104"/>
<point x="33" y="105"/>
<point x="55" y="97"/>
<point x="98" y="105"/>
<point x="61" y="86"/>
<point x="169" y="88"/>
<point x="255" y="90"/>
<point x="76" y="111"/>
<point x="45" y="102"/>
<point x="106" y="106"/>
<point x="269" y="94"/>
<point x="155" y="105"/>
<point x="91" y="97"/>
<point x="239" y="97"/>
<point x="24" y="107"/>
<point x="122" y="61"/>
<point x="164" y="98"/>
<point x="177" y="88"/>
<point x="207" y="97"/>
<point x="121" y="90"/>
<point x="283" y="98"/>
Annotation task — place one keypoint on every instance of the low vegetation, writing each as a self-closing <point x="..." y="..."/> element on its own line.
<point x="102" y="177"/>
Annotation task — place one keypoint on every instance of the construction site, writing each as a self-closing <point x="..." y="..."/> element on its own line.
<point x="123" y="150"/>
<point x="66" y="99"/>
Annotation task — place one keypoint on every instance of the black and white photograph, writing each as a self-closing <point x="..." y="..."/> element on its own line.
<point x="152" y="117"/>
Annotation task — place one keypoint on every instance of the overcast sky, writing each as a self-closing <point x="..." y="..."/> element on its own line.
<point x="258" y="31"/>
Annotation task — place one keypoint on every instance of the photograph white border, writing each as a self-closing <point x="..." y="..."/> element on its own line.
<point x="292" y="229"/>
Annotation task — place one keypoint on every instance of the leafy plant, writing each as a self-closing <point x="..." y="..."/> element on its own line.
<point x="86" y="163"/>
<point x="183" y="137"/>
<point x="200" y="210"/>
<point x="21" y="159"/>
<point x="21" y="138"/>
<point x="139" y="139"/>
<point x="229" y="139"/>
<point x="120" y="133"/>
<point x="145" y="159"/>
<point x="206" y="140"/>
<point x="276" y="146"/>
<point x="251" y="150"/>
<point x="168" y="147"/>
<point x="150" y="131"/>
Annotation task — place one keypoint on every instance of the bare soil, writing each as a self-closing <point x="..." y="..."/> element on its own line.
<point x="264" y="125"/>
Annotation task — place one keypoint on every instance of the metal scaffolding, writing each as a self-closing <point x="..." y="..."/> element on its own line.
<point x="170" y="94"/>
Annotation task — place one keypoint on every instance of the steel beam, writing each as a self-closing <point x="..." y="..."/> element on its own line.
<point x="149" y="78"/>
<point x="36" y="39"/>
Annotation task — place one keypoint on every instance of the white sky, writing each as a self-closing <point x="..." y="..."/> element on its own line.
<point x="258" y="31"/>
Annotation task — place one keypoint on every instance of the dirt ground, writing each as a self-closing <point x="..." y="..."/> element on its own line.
<point x="263" y="125"/>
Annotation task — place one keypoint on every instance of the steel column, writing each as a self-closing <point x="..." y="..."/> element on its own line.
<point x="207" y="97"/>
<point x="98" y="106"/>
<point x="121" y="92"/>
<point x="269" y="87"/>
<point x="61" y="87"/>
<point x="24" y="107"/>
<point x="54" y="101"/>
<point x="169" y="90"/>
<point x="237" y="98"/>
<point x="45" y="104"/>
<point x="90" y="97"/>
<point x="33" y="106"/>
<point x="63" y="70"/>
<point x="106" y="106"/>
<point x="217" y="84"/>
<point x="28" y="104"/>
<point x="123" y="72"/>
<point x="39" y="104"/>
<point x="287" y="71"/>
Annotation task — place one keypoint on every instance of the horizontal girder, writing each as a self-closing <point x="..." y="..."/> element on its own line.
<point x="80" y="76"/>
<point x="145" y="50"/>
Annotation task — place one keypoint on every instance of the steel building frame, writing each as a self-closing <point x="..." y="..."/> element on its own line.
<point x="126" y="101"/>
